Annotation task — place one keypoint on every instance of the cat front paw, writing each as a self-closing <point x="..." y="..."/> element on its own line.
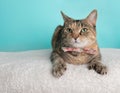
<point x="98" y="67"/>
<point x="59" y="69"/>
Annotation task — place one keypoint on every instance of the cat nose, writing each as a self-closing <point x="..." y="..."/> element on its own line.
<point x="75" y="38"/>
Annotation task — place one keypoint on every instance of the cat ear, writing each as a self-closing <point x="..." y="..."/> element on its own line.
<point x="92" y="17"/>
<point x="65" y="17"/>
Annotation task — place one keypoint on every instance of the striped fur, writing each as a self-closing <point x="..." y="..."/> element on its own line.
<point x="73" y="34"/>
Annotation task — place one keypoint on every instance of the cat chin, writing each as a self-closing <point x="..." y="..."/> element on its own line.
<point x="80" y="44"/>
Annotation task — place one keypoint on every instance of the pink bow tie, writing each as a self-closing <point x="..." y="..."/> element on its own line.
<point x="85" y="50"/>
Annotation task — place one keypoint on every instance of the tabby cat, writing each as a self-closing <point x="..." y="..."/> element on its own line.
<point x="75" y="42"/>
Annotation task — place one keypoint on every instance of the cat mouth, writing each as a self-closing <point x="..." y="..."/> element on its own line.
<point x="76" y="41"/>
<point x="79" y="44"/>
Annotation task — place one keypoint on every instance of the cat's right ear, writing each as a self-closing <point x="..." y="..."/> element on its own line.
<point x="66" y="18"/>
<point x="92" y="17"/>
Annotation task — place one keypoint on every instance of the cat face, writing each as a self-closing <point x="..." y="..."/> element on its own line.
<point x="79" y="33"/>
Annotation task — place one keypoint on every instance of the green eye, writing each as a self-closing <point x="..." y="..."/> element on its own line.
<point x="69" y="30"/>
<point x="84" y="30"/>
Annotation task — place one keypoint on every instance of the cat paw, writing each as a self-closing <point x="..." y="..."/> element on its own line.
<point x="59" y="69"/>
<point x="99" y="68"/>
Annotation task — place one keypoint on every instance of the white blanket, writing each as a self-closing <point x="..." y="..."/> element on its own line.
<point x="30" y="72"/>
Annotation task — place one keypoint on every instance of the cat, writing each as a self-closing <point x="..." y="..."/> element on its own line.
<point x="76" y="35"/>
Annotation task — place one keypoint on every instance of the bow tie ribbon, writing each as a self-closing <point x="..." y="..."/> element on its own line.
<point x="81" y="50"/>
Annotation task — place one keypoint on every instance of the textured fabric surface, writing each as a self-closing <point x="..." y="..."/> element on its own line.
<point x="30" y="72"/>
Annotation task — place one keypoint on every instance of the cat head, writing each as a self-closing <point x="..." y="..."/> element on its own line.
<point x="79" y="33"/>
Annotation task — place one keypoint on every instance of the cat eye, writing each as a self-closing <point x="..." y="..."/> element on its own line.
<point x="69" y="30"/>
<point x="84" y="30"/>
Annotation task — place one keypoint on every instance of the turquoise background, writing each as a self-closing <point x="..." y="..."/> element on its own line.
<point x="29" y="24"/>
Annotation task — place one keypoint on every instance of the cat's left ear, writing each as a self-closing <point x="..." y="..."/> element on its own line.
<point x="92" y="17"/>
<point x="66" y="18"/>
